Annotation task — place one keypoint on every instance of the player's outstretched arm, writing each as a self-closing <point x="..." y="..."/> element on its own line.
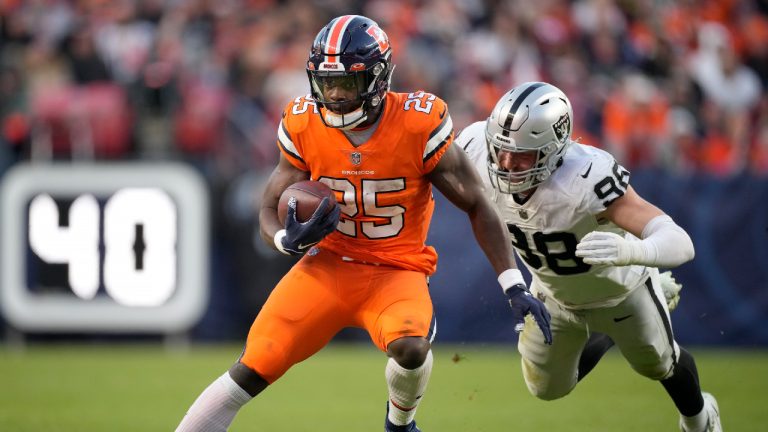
<point x="662" y="242"/>
<point x="456" y="178"/>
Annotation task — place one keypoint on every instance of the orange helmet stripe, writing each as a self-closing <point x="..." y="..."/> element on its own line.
<point x="335" y="36"/>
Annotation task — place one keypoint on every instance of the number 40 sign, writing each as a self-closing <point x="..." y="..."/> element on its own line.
<point x="147" y="246"/>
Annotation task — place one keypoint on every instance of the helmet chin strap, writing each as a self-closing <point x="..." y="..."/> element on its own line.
<point x="337" y="120"/>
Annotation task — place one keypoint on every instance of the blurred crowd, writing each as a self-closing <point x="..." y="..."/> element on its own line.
<point x="661" y="83"/>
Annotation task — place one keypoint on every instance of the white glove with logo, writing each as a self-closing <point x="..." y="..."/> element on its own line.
<point x="607" y="248"/>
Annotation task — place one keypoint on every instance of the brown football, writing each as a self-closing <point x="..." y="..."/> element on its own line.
<point x="308" y="196"/>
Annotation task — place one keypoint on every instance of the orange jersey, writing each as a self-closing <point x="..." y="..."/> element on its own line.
<point x="386" y="200"/>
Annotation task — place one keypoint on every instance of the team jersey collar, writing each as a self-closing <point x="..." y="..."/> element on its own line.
<point x="383" y="117"/>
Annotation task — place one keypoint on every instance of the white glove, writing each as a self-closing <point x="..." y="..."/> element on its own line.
<point x="607" y="248"/>
<point x="663" y="244"/>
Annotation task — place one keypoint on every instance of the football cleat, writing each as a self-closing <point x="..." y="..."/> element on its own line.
<point x="391" y="427"/>
<point x="713" y="415"/>
<point x="410" y="427"/>
<point x="671" y="289"/>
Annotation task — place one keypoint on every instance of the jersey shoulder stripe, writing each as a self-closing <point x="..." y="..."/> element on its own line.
<point x="286" y="143"/>
<point x="439" y="137"/>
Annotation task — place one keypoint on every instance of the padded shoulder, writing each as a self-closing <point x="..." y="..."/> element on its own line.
<point x="296" y="114"/>
<point x="422" y="111"/>
<point x="597" y="175"/>
<point x="296" y="119"/>
<point x="472" y="140"/>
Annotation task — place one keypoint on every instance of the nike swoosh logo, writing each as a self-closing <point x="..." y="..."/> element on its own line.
<point x="620" y="319"/>
<point x="302" y="246"/>
<point x="442" y="114"/>
<point x="468" y="143"/>
<point x="588" y="170"/>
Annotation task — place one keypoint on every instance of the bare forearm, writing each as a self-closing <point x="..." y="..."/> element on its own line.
<point x="282" y="176"/>
<point x="492" y="236"/>
<point x="268" y="225"/>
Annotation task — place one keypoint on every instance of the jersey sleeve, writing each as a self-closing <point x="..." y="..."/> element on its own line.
<point x="436" y="126"/>
<point x="472" y="140"/>
<point x="289" y="128"/>
<point x="606" y="181"/>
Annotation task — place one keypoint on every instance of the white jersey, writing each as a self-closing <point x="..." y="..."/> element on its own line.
<point x="546" y="227"/>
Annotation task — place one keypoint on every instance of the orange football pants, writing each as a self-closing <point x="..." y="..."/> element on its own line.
<point x="323" y="294"/>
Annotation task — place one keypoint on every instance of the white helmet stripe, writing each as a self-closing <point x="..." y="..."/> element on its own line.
<point x="335" y="36"/>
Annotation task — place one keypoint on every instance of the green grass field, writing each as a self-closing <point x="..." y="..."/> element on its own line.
<point x="146" y="388"/>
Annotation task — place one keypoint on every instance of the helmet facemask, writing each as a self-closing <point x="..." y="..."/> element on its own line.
<point x="509" y="182"/>
<point x="363" y="91"/>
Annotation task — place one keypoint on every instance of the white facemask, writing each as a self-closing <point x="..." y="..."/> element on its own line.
<point x="337" y="120"/>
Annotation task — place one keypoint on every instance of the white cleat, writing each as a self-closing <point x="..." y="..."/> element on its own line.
<point x="713" y="414"/>
<point x="671" y="289"/>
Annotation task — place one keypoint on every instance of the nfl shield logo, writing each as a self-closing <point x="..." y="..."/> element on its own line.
<point x="561" y="127"/>
<point x="356" y="158"/>
<point x="523" y="214"/>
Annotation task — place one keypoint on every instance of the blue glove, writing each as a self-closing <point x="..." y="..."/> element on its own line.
<point x="300" y="236"/>
<point x="523" y="303"/>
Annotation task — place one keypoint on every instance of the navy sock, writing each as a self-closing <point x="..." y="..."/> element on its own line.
<point x="683" y="386"/>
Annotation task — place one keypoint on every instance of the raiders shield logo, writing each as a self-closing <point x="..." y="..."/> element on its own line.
<point x="561" y="127"/>
<point x="356" y="158"/>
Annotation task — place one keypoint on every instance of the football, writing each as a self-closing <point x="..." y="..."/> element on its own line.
<point x="308" y="196"/>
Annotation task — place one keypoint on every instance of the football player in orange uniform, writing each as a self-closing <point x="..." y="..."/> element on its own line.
<point x="365" y="261"/>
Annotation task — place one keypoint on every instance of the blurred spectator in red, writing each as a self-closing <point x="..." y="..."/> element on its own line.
<point x="719" y="154"/>
<point x="199" y="124"/>
<point x="635" y="121"/>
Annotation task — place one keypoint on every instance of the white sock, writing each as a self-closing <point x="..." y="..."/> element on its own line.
<point x="697" y="422"/>
<point x="406" y="387"/>
<point x="216" y="407"/>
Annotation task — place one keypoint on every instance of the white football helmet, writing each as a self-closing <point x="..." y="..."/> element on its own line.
<point x="531" y="116"/>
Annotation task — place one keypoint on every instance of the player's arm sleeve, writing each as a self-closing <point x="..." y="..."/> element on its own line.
<point x="285" y="142"/>
<point x="664" y="244"/>
<point x="661" y="242"/>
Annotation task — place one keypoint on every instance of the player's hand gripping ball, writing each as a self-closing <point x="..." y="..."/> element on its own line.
<point x="308" y="195"/>
<point x="309" y="211"/>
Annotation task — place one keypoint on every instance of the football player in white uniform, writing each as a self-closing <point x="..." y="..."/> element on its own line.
<point x="593" y="247"/>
